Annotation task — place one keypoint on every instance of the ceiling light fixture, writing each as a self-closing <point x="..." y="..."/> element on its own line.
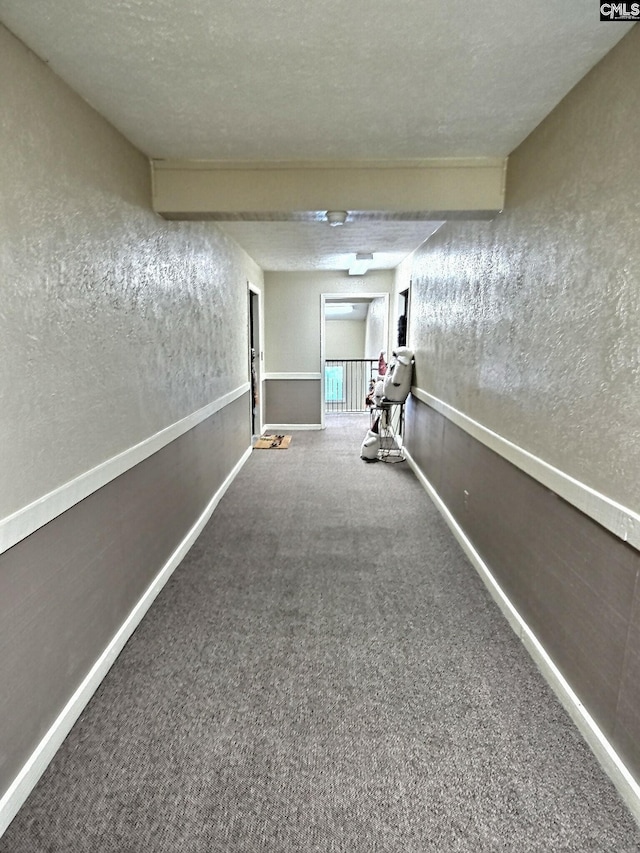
<point x="336" y="217"/>
<point x="339" y="310"/>
<point x="361" y="264"/>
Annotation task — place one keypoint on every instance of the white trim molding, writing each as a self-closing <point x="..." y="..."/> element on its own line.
<point x="609" y="759"/>
<point x="280" y="428"/>
<point x="28" y="519"/>
<point x="37" y="763"/>
<point x="618" y="519"/>
<point x="452" y="185"/>
<point x="316" y="376"/>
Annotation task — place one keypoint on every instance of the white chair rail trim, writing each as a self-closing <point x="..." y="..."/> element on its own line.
<point x="28" y="519"/>
<point x="619" y="519"/>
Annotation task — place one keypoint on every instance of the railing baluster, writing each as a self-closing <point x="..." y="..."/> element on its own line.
<point x="347" y="383"/>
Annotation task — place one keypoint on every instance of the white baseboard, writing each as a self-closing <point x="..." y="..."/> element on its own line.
<point x="280" y="428"/>
<point x="37" y="763"/>
<point x="292" y="376"/>
<point x="610" y="761"/>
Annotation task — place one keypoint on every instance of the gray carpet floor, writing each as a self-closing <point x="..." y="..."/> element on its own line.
<point x="324" y="672"/>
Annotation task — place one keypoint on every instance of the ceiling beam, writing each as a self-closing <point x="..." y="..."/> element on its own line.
<point x="426" y="189"/>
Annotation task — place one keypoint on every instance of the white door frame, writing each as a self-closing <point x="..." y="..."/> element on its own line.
<point x="345" y="297"/>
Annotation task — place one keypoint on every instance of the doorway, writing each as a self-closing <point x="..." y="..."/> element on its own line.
<point x="403" y="315"/>
<point x="256" y="357"/>
<point x="354" y="332"/>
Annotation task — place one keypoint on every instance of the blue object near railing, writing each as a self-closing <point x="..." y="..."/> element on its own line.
<point x="346" y="383"/>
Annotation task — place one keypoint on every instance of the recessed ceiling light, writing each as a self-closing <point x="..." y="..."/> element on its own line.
<point x="361" y="264"/>
<point x="339" y="310"/>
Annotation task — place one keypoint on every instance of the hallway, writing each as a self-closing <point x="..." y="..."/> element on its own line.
<point x="324" y="672"/>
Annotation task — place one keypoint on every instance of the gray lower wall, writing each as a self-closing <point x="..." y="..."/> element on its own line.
<point x="67" y="589"/>
<point x="573" y="582"/>
<point x="293" y="401"/>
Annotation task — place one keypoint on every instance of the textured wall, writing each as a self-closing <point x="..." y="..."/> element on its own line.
<point x="377" y="321"/>
<point x="113" y="323"/>
<point x="530" y="324"/>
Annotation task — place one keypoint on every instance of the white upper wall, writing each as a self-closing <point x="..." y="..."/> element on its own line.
<point x="293" y="313"/>
<point x="344" y="338"/>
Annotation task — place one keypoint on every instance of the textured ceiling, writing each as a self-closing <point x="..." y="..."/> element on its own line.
<point x="295" y="80"/>
<point x="293" y="246"/>
<point x="291" y="79"/>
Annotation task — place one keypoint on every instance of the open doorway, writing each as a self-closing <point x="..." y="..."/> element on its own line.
<point x="354" y="333"/>
<point x="255" y="357"/>
<point x="404" y="305"/>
